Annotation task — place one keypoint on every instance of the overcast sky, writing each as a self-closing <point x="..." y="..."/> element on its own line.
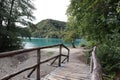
<point x="51" y="9"/>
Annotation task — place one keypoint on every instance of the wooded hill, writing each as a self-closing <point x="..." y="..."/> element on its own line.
<point x="49" y="28"/>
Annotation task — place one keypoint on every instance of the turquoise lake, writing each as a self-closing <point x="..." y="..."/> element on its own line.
<point x="37" y="42"/>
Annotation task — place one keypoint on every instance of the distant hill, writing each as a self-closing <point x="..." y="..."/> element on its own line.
<point x="49" y="28"/>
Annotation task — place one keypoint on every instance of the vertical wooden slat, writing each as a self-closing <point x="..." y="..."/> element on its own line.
<point x="38" y="67"/>
<point x="68" y="55"/>
<point x="59" y="64"/>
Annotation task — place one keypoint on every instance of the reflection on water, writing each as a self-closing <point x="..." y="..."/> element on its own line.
<point x="36" y="42"/>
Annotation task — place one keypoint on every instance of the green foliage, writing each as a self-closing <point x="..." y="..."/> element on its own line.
<point x="111" y="62"/>
<point x="98" y="21"/>
<point x="109" y="57"/>
<point x="49" y="28"/>
<point x="13" y="12"/>
<point x="71" y="32"/>
<point x="70" y="36"/>
<point x="93" y="19"/>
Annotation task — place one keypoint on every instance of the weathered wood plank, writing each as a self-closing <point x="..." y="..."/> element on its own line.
<point x="38" y="64"/>
<point x="96" y="71"/>
<point x="16" y="52"/>
<point x="70" y="71"/>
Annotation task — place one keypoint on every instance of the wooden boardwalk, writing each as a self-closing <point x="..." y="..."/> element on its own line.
<point x="73" y="70"/>
<point x="70" y="71"/>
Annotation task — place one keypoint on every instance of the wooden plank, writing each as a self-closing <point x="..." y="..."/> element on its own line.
<point x="16" y="52"/>
<point x="70" y="71"/>
<point x="60" y="52"/>
<point x="65" y="47"/>
<point x="68" y="56"/>
<point x="38" y="64"/>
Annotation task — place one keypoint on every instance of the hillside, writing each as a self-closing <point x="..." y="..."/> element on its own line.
<point x="49" y="28"/>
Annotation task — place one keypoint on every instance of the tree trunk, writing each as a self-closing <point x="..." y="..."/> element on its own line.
<point x="73" y="45"/>
<point x="1" y="8"/>
<point x="9" y="19"/>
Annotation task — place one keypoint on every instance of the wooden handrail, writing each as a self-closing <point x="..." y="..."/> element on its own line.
<point x="37" y="66"/>
<point x="95" y="66"/>
<point x="68" y="52"/>
<point x="28" y="68"/>
<point x="65" y="47"/>
<point x="21" y="51"/>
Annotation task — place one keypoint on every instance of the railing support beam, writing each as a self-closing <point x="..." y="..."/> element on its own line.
<point x="38" y="61"/>
<point x="59" y="64"/>
<point x="68" y="55"/>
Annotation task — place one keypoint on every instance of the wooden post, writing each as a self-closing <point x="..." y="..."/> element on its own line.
<point x="59" y="64"/>
<point x="91" y="64"/>
<point x="38" y="61"/>
<point x="96" y="72"/>
<point x="68" y="55"/>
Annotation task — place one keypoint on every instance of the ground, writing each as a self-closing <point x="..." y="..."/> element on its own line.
<point x="16" y="63"/>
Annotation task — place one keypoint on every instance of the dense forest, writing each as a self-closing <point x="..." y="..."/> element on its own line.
<point x="98" y="22"/>
<point x="49" y="29"/>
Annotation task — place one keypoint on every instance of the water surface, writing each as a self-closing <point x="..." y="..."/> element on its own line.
<point x="37" y="42"/>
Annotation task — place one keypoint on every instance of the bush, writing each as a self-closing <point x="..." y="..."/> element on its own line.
<point x="109" y="58"/>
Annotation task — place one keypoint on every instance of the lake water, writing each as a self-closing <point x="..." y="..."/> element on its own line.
<point x="37" y="42"/>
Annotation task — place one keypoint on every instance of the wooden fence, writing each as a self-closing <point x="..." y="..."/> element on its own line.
<point x="39" y="62"/>
<point x="95" y="66"/>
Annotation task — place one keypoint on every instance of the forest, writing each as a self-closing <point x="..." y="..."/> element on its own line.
<point x="49" y="28"/>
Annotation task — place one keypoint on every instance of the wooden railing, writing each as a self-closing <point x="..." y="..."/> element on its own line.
<point x="39" y="62"/>
<point x="95" y="66"/>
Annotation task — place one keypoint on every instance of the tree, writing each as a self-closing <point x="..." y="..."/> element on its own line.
<point x="71" y="32"/>
<point x="99" y="22"/>
<point x="13" y="12"/>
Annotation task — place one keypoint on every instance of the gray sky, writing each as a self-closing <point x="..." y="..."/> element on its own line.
<point x="50" y="9"/>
